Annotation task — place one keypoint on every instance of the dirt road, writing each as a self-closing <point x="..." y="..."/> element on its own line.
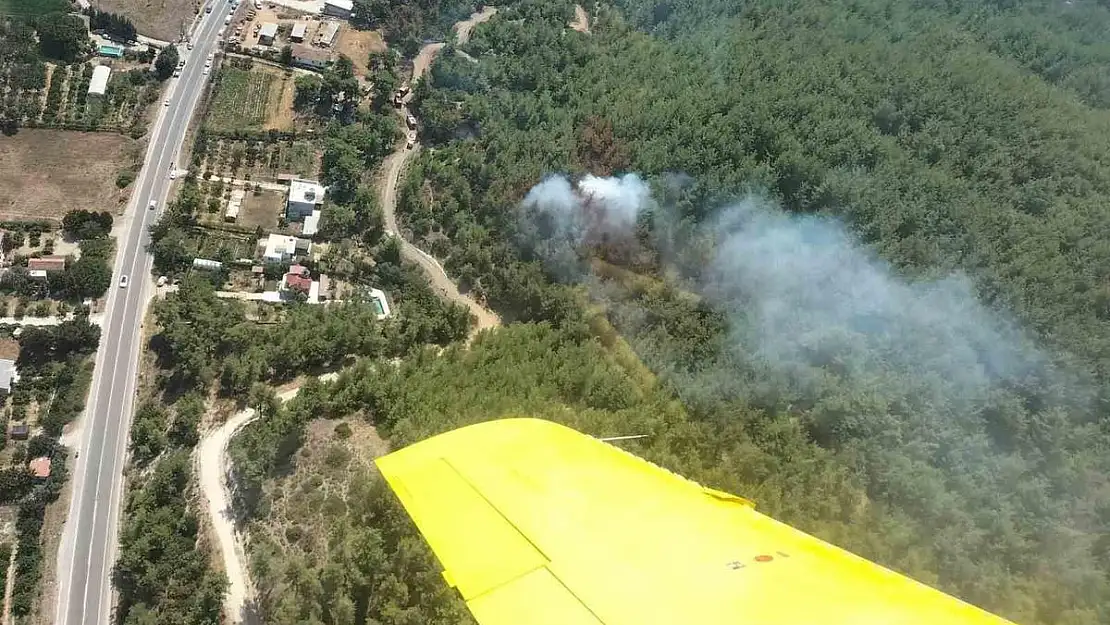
<point x="213" y="466"/>
<point x="394" y="165"/>
<point x="463" y="28"/>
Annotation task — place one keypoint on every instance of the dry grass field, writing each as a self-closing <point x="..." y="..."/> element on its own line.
<point x="46" y="173"/>
<point x="357" y="46"/>
<point x="160" y="19"/>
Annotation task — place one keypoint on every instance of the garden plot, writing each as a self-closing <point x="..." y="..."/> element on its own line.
<point x="251" y="100"/>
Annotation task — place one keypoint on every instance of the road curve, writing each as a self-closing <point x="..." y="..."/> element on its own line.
<point x="394" y="165"/>
<point x="89" y="539"/>
<point x="213" y="467"/>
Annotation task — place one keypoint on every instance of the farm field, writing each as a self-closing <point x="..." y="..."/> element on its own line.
<point x="46" y="173"/>
<point x="32" y="7"/>
<point x="215" y="244"/>
<point x="57" y="97"/>
<point x="258" y="160"/>
<point x="257" y="99"/>
<point x="160" y="19"/>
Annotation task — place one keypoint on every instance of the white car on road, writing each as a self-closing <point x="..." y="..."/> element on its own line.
<point x="123" y="282"/>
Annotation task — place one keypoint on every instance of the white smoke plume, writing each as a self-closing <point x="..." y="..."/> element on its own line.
<point x="805" y="294"/>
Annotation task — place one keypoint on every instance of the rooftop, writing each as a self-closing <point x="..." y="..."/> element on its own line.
<point x="47" y="263"/>
<point x="278" y="246"/>
<point x="297" y="282"/>
<point x="311" y="224"/>
<point x="235" y="203"/>
<point x="343" y="4"/>
<point x="40" y="466"/>
<point x="268" y="30"/>
<point x="306" y="191"/>
<point x="298" y="30"/>
<point x="98" y="84"/>
<point x="328" y="32"/>
<point x="8" y="374"/>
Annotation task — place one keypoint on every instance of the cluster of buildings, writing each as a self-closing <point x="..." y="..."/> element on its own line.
<point x="314" y="54"/>
<point x="303" y="204"/>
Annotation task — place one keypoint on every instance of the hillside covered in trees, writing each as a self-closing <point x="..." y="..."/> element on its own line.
<point x="870" y="280"/>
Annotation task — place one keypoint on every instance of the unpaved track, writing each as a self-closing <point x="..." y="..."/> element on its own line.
<point x="214" y="467"/>
<point x="394" y="165"/>
<point x="212" y="463"/>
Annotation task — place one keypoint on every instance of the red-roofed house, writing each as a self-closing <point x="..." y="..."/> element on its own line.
<point x="40" y="467"/>
<point x="297" y="282"/>
<point x="47" y="263"/>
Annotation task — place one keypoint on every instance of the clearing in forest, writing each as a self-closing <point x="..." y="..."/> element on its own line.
<point x="581" y="21"/>
<point x="260" y="98"/>
<point x="160" y="19"/>
<point x="47" y="173"/>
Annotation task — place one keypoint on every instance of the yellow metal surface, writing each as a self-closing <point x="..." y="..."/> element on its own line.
<point x="537" y="524"/>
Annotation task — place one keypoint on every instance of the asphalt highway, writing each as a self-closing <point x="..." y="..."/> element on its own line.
<point x="88" y="547"/>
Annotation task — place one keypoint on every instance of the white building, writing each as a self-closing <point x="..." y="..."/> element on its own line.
<point x="98" y="84"/>
<point x="298" y="32"/>
<point x="338" y="8"/>
<point x="305" y="196"/>
<point x="311" y="224"/>
<point x="280" y="248"/>
<point x="267" y="33"/>
<point x="234" y="203"/>
<point x="326" y="36"/>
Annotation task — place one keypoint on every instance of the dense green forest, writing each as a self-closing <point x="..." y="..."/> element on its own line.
<point x="956" y="153"/>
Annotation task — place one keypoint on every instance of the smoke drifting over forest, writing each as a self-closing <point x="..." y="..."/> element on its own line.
<point x="802" y="295"/>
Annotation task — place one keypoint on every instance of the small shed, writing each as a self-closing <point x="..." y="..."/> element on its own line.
<point x="20" y="432"/>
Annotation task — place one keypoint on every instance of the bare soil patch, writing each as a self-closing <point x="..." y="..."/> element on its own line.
<point x="581" y="21"/>
<point x="261" y="210"/>
<point x="9" y="349"/>
<point x="46" y="173"/>
<point x="357" y="46"/>
<point x="159" y="19"/>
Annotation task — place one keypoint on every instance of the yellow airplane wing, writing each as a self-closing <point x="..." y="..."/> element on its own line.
<point x="537" y="524"/>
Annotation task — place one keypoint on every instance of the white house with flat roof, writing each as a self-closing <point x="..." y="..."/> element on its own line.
<point x="98" y="84"/>
<point x="279" y="248"/>
<point x="326" y="35"/>
<point x="305" y="196"/>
